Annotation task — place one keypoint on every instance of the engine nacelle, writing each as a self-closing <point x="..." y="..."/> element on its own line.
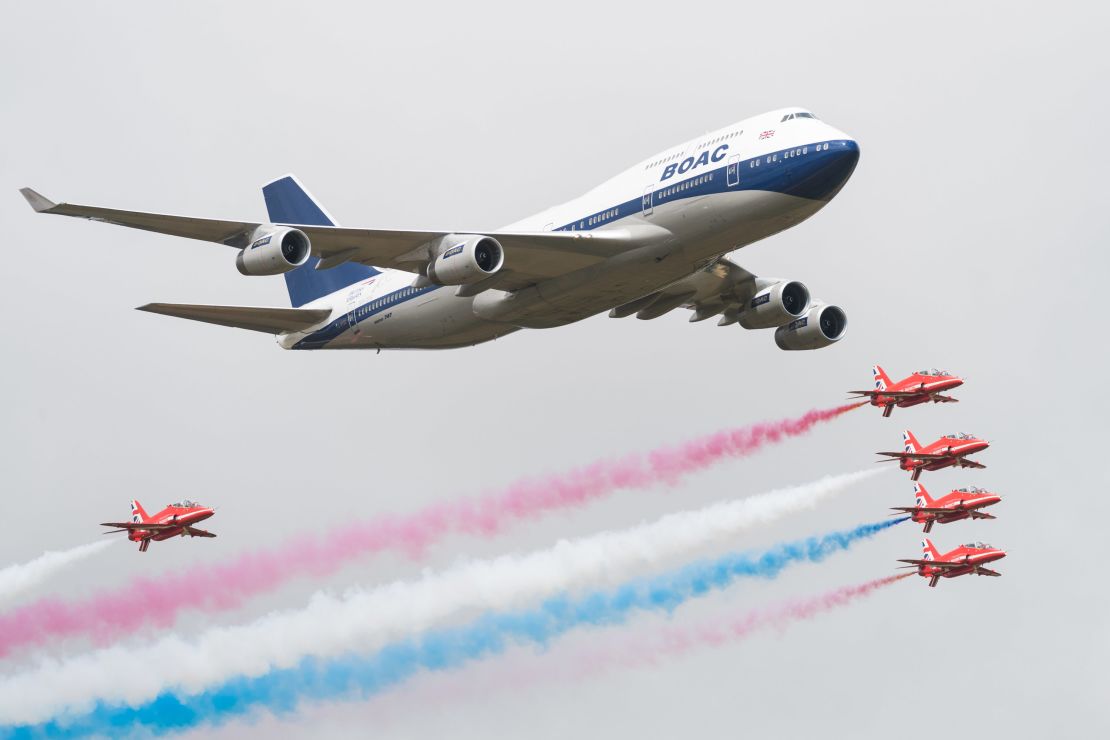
<point x="466" y="259"/>
<point x="775" y="305"/>
<point x="821" y="326"/>
<point x="274" y="250"/>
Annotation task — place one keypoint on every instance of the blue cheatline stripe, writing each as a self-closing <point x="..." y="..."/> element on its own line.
<point x="358" y="314"/>
<point x="287" y="203"/>
<point x="808" y="171"/>
<point x="354" y="677"/>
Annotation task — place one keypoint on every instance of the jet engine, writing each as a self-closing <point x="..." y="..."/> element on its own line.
<point x="821" y="326"/>
<point x="775" y="305"/>
<point x="274" y="250"/>
<point x="466" y="259"/>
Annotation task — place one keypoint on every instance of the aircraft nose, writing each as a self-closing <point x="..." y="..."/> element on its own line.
<point x="821" y="174"/>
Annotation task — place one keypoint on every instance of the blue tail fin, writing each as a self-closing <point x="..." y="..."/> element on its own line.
<point x="288" y="203"/>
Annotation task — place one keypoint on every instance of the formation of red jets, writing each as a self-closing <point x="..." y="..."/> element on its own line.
<point x="951" y="450"/>
<point x="924" y="386"/>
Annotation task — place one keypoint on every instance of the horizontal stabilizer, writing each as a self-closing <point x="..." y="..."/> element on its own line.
<point x="889" y="394"/>
<point x="941" y="564"/>
<point x="255" y="318"/>
<point x="145" y="526"/>
<point x="921" y="456"/>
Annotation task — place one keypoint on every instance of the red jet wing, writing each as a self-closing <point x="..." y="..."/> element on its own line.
<point x="194" y="532"/>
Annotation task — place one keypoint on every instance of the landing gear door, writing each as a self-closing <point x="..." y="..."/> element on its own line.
<point x="647" y="204"/>
<point x="733" y="171"/>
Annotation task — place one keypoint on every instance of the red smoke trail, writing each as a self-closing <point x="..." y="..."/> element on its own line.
<point x="674" y="641"/>
<point x="222" y="586"/>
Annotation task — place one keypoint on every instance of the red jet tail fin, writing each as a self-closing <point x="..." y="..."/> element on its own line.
<point x="882" y="380"/>
<point x="911" y="443"/>
<point x="929" y="549"/>
<point x="921" y="496"/>
<point x="138" y="513"/>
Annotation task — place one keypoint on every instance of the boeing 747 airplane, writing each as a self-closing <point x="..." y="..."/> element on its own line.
<point x="648" y="241"/>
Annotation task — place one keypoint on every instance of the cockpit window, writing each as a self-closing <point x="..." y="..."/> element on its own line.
<point x="933" y="371"/>
<point x="800" y="114"/>
<point x="185" y="504"/>
<point x="979" y="546"/>
<point x="958" y="435"/>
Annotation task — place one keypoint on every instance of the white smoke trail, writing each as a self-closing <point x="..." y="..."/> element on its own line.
<point x="365" y="619"/>
<point x="15" y="579"/>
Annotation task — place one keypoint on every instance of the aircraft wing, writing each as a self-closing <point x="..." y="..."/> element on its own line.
<point x="194" y="532"/>
<point x="530" y="256"/>
<point x="944" y="399"/>
<point x="965" y="463"/>
<point x="986" y="572"/>
<point x="720" y="288"/>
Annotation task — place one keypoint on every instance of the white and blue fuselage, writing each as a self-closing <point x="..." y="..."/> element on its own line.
<point x="695" y="202"/>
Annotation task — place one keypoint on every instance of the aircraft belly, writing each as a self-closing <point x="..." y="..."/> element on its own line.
<point x="442" y="321"/>
<point x="703" y="229"/>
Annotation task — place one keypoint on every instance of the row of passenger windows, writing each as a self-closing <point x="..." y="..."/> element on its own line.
<point x="726" y="137"/>
<point x="664" y="160"/>
<point x="605" y="216"/>
<point x="667" y="192"/>
<point x="385" y="301"/>
<point x="788" y="154"/>
<point x="702" y="145"/>
<point x="680" y="187"/>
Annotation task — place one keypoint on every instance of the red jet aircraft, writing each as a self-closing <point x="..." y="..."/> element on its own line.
<point x="950" y="450"/>
<point x="176" y="520"/>
<point x="962" y="561"/>
<point x="921" y="387"/>
<point x="961" y="503"/>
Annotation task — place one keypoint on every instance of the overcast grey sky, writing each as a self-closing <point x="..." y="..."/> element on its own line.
<point x="972" y="236"/>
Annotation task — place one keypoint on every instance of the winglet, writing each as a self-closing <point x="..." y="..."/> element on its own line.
<point x="39" y="202"/>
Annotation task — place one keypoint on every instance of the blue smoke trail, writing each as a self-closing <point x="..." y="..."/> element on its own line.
<point x="355" y="676"/>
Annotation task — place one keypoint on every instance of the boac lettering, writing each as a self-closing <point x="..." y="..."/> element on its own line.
<point x="690" y="163"/>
